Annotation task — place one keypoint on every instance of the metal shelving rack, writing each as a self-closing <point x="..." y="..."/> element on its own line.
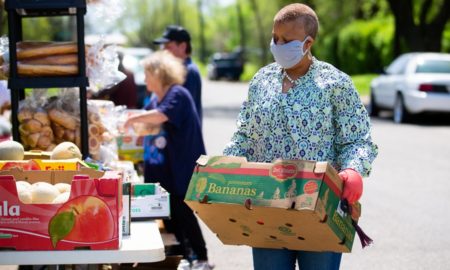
<point x="19" y="9"/>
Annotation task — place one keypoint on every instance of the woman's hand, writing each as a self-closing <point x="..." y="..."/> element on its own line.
<point x="128" y="124"/>
<point x="353" y="185"/>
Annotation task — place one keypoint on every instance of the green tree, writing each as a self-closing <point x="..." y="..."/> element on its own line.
<point x="419" y="25"/>
<point x="260" y="31"/>
<point x="201" y="21"/>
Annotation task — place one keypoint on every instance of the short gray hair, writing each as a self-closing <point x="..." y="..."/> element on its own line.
<point x="301" y="12"/>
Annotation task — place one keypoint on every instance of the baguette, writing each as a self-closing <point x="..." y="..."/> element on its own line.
<point x="62" y="59"/>
<point x="47" y="70"/>
<point x="38" y="49"/>
<point x="22" y="45"/>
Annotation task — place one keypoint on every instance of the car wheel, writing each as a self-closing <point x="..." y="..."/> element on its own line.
<point x="401" y="115"/>
<point x="373" y="108"/>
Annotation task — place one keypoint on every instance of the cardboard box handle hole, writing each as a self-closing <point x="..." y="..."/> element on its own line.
<point x="232" y="220"/>
<point x="300" y="238"/>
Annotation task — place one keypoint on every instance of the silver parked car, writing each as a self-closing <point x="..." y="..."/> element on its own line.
<point x="413" y="83"/>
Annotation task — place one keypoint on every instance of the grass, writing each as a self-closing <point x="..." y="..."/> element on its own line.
<point x="249" y="70"/>
<point x="362" y="83"/>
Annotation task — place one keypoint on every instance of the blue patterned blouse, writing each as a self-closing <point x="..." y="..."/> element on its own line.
<point x="321" y="118"/>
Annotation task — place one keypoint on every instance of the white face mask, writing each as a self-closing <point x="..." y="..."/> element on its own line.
<point x="289" y="54"/>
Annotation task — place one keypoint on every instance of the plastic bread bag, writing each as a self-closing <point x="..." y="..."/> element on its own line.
<point x="34" y="123"/>
<point x="104" y="110"/>
<point x="99" y="135"/>
<point x="64" y="114"/>
<point x="4" y="57"/>
<point x="105" y="10"/>
<point x="102" y="66"/>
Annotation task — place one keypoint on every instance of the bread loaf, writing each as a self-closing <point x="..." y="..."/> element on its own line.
<point x="42" y="117"/>
<point x="32" y="126"/>
<point x="58" y="130"/>
<point x="63" y="59"/>
<point x="39" y="49"/>
<point x="47" y="132"/>
<point x="33" y="139"/>
<point x="63" y="119"/>
<point x="24" y="114"/>
<point x="69" y="135"/>
<point x="46" y="70"/>
<point x="43" y="142"/>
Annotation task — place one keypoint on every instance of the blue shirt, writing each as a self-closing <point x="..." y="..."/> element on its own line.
<point x="320" y="118"/>
<point x="193" y="83"/>
<point x="170" y="156"/>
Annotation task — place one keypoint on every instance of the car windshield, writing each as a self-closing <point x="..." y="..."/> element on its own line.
<point x="224" y="62"/>
<point x="433" y="66"/>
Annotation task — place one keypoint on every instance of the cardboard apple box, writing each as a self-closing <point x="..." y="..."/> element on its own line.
<point x="37" y="154"/>
<point x="288" y="204"/>
<point x="90" y="219"/>
<point x="72" y="164"/>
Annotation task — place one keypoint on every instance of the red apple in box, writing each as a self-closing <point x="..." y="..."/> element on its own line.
<point x="82" y="219"/>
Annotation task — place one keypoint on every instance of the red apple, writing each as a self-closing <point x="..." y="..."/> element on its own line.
<point x="84" y="219"/>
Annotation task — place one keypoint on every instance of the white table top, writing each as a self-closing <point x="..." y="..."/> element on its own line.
<point x="143" y="245"/>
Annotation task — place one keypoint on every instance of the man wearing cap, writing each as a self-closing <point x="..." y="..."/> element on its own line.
<point x="177" y="40"/>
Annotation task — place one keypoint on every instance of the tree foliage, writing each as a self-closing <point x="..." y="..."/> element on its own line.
<point x="419" y="24"/>
<point x="355" y="35"/>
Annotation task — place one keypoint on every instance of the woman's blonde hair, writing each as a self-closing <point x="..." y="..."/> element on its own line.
<point x="168" y="68"/>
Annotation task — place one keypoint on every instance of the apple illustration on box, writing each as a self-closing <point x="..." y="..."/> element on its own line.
<point x="31" y="165"/>
<point x="82" y="219"/>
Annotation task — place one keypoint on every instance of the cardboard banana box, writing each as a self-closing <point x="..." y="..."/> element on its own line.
<point x="289" y="204"/>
